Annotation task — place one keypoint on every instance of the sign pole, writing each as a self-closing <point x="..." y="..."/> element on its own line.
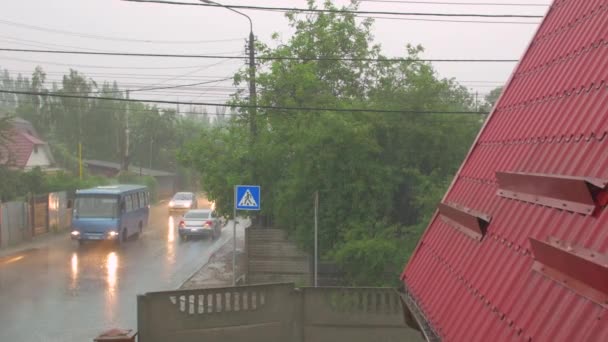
<point x="246" y="197"/>
<point x="234" y="241"/>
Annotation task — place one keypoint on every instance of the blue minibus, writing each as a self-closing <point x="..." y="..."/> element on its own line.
<point x="114" y="212"/>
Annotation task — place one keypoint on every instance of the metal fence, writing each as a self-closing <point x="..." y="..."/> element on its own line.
<point x="20" y="221"/>
<point x="14" y="223"/>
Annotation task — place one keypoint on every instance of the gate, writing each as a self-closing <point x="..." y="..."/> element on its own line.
<point x="40" y="214"/>
<point x="59" y="214"/>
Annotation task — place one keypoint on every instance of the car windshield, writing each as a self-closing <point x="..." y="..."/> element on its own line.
<point x="197" y="215"/>
<point x="96" y="207"/>
<point x="182" y="197"/>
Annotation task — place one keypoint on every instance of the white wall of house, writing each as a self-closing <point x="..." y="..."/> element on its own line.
<point x="39" y="157"/>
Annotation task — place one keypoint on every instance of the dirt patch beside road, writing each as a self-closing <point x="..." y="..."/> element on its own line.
<point x="218" y="271"/>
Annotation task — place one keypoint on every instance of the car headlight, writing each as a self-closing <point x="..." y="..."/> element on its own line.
<point x="171" y="203"/>
<point x="113" y="233"/>
<point x="75" y="233"/>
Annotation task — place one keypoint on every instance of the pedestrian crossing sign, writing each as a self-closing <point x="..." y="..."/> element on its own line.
<point x="247" y="197"/>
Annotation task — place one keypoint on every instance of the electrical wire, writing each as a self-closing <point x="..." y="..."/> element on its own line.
<point x="451" y="21"/>
<point x="156" y="76"/>
<point x="318" y="109"/>
<point x="99" y="66"/>
<point x="130" y="54"/>
<point x="458" y="3"/>
<point x="112" y="75"/>
<point x="92" y="36"/>
<point x="144" y="110"/>
<point x="342" y="11"/>
<point x="51" y="46"/>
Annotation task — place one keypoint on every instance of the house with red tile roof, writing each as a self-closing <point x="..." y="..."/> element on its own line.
<point x="25" y="150"/>
<point x="518" y="248"/>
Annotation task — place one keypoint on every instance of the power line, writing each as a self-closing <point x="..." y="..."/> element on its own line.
<point x="179" y="86"/>
<point x="92" y="36"/>
<point x="99" y="66"/>
<point x="194" y="78"/>
<point x="451" y="21"/>
<point x="47" y="46"/>
<point x="458" y="3"/>
<point x="130" y="54"/>
<point x="342" y="11"/>
<point x="319" y="109"/>
<point x="112" y="75"/>
<point x="144" y="110"/>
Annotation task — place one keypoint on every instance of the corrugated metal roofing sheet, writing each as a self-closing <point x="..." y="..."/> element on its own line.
<point x="552" y="119"/>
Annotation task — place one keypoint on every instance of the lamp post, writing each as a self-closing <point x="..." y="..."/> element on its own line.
<point x="252" y="90"/>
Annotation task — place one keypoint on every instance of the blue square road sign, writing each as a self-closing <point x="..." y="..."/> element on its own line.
<point x="247" y="197"/>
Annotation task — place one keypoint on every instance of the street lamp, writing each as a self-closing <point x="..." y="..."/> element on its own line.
<point x="252" y="90"/>
<point x="252" y="117"/>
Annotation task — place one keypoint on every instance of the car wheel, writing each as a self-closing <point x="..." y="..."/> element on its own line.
<point x="183" y="237"/>
<point x="125" y="236"/>
<point x="80" y="242"/>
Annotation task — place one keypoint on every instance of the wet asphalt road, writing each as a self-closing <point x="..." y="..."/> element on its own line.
<point x="63" y="292"/>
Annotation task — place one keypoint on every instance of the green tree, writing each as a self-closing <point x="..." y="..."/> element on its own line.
<point x="379" y="175"/>
<point x="491" y="99"/>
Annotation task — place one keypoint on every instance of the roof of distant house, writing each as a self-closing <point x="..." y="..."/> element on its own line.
<point x="21" y="145"/>
<point x="518" y="249"/>
<point x="132" y="168"/>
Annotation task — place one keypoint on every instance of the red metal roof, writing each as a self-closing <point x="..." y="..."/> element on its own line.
<point x="547" y="135"/>
<point x="20" y="148"/>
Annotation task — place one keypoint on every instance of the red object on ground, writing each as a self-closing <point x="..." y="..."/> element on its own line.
<point x="539" y="273"/>
<point x="117" y="335"/>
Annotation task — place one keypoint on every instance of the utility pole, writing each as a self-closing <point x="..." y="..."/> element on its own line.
<point x="80" y="160"/>
<point x="316" y="261"/>
<point x="125" y="162"/>
<point x="252" y="89"/>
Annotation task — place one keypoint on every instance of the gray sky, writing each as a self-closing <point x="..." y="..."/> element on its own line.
<point x="191" y="25"/>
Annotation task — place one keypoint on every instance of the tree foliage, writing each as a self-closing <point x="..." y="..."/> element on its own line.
<point x="379" y="175"/>
<point x="100" y="125"/>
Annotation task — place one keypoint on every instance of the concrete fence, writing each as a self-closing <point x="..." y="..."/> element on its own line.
<point x="273" y="312"/>
<point x="248" y="313"/>
<point x="354" y="314"/>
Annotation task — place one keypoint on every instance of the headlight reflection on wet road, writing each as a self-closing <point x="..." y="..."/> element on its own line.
<point x="74" y="270"/>
<point x="171" y="232"/>
<point x="112" y="267"/>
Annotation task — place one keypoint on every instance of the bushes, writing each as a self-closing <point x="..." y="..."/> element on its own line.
<point x="63" y="181"/>
<point x="15" y="184"/>
<point x="18" y="184"/>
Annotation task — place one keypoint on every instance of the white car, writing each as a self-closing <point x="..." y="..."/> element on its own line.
<point x="183" y="201"/>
